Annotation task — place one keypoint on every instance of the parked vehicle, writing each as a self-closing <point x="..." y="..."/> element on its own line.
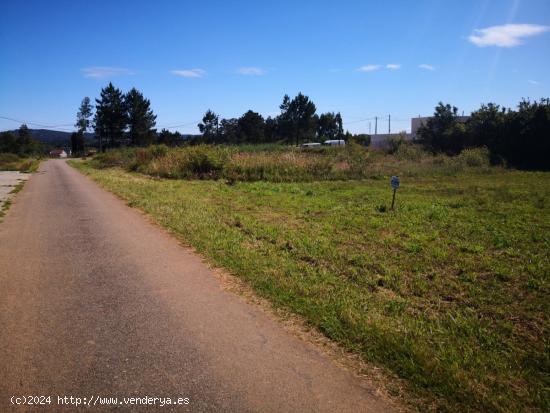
<point x="335" y="142"/>
<point x="310" y="145"/>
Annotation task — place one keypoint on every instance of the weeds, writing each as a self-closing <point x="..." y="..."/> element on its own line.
<point x="275" y="163"/>
<point x="12" y="162"/>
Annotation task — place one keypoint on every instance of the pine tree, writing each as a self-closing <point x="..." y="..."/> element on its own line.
<point x="110" y="117"/>
<point x="84" y="115"/>
<point x="297" y="119"/>
<point x="77" y="143"/>
<point x="141" y="120"/>
<point x="209" y="127"/>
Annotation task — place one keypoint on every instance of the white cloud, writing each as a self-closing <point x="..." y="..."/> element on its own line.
<point x="393" y="66"/>
<point x="426" y="67"/>
<point x="100" y="72"/>
<point x="368" y="68"/>
<point x="251" y="71"/>
<point x="193" y="73"/>
<point x="507" y="35"/>
<point x="534" y="82"/>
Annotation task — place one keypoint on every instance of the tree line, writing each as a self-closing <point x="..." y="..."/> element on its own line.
<point x="20" y="143"/>
<point x="127" y="119"/>
<point x="520" y="138"/>
<point x="120" y="118"/>
<point x="298" y="122"/>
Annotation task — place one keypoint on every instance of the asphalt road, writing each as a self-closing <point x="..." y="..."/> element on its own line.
<point x="95" y="301"/>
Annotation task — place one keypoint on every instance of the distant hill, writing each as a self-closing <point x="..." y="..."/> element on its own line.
<point x="54" y="137"/>
<point x="63" y="139"/>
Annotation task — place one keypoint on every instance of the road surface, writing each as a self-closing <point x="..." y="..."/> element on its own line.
<point x="95" y="301"/>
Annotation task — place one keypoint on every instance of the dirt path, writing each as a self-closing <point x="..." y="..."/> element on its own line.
<point x="96" y="301"/>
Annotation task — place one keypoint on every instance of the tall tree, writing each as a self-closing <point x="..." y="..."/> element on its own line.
<point x="443" y="132"/>
<point x="77" y="143"/>
<point x="20" y="143"/>
<point x="165" y="137"/>
<point x="487" y="127"/>
<point x="24" y="137"/>
<point x="110" y="117"/>
<point x="84" y="115"/>
<point x="297" y="118"/>
<point x="141" y="120"/>
<point x="271" y="130"/>
<point x="527" y="142"/>
<point x="229" y="130"/>
<point x="329" y="126"/>
<point x="251" y="127"/>
<point x="209" y="127"/>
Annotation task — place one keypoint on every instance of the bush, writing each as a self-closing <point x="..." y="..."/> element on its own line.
<point x="200" y="161"/>
<point x="9" y="158"/>
<point x="474" y="157"/>
<point x="280" y="167"/>
<point x="408" y="151"/>
<point x="287" y="164"/>
<point x="393" y="143"/>
<point x="13" y="162"/>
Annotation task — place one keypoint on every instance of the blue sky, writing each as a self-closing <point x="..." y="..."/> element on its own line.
<point x="362" y="58"/>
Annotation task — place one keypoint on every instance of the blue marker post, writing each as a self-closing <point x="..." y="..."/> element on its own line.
<point x="394" y="184"/>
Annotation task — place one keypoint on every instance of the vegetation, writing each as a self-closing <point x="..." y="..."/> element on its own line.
<point x="280" y="163"/>
<point x="521" y="137"/>
<point x="449" y="291"/>
<point x="517" y="138"/>
<point x="84" y="116"/>
<point x="111" y="118"/>
<point x="20" y="143"/>
<point x="12" y="162"/>
<point x="127" y="120"/>
<point x="297" y="123"/>
<point x="141" y="120"/>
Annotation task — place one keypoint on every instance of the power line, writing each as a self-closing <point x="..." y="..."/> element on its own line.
<point x="360" y="120"/>
<point x="178" y="126"/>
<point x="43" y="125"/>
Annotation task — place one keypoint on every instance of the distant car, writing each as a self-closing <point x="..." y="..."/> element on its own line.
<point x="335" y="142"/>
<point x="310" y="145"/>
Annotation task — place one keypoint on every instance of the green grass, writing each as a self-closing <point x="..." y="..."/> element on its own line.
<point x="450" y="291"/>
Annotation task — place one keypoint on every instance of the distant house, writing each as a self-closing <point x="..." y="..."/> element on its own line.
<point x="58" y="153"/>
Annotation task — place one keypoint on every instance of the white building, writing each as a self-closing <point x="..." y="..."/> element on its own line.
<point x="58" y="153"/>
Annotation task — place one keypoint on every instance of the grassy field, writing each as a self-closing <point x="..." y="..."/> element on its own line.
<point x="450" y="291"/>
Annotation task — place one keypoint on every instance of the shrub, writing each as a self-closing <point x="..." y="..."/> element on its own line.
<point x="410" y="152"/>
<point x="278" y="167"/>
<point x="393" y="143"/>
<point x="112" y="158"/>
<point x="9" y="158"/>
<point x="475" y="157"/>
<point x="199" y="161"/>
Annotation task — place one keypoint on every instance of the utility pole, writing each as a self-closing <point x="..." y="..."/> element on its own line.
<point x="389" y="124"/>
<point x="376" y="125"/>
<point x="369" y="127"/>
